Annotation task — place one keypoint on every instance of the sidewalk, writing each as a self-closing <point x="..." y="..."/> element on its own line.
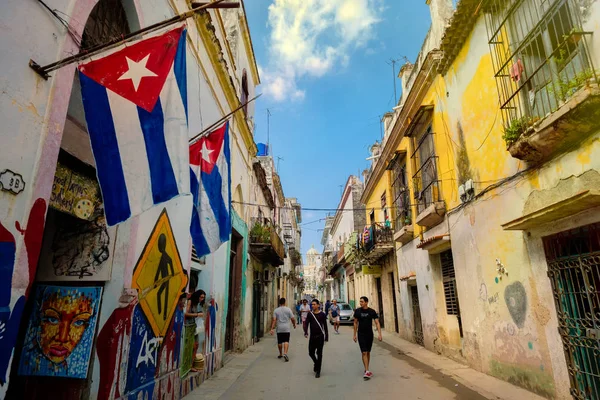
<point x="239" y="365"/>
<point x="486" y="385"/>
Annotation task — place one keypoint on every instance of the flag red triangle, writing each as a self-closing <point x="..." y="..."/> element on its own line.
<point x="137" y="72"/>
<point x="206" y="151"/>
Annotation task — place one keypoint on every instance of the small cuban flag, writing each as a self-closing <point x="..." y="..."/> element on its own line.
<point x="210" y="177"/>
<point x="135" y="102"/>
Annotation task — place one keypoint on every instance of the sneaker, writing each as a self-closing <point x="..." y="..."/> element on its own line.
<point x="286" y="357"/>
<point x="368" y="375"/>
<point x="318" y="375"/>
<point x="279" y="356"/>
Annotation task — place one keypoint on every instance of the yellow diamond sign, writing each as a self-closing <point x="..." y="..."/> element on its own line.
<point x="159" y="276"/>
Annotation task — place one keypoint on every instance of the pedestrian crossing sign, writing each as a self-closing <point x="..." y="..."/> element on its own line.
<point x="159" y="276"/>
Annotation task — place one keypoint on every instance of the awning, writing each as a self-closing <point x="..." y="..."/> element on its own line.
<point x="580" y="202"/>
<point x="435" y="244"/>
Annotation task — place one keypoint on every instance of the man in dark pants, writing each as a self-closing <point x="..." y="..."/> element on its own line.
<point x="317" y="321"/>
<point x="363" y="323"/>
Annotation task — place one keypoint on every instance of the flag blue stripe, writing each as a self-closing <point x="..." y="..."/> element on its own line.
<point x="180" y="70"/>
<point x="162" y="177"/>
<point x="103" y="137"/>
<point x="198" y="239"/>
<point x="212" y="189"/>
<point x="227" y="152"/>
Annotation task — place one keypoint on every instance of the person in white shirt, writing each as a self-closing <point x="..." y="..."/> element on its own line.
<point x="304" y="310"/>
<point x="282" y="317"/>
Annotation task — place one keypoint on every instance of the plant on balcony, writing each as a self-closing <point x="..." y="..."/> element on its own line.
<point x="295" y="257"/>
<point x="517" y="127"/>
<point x="564" y="88"/>
<point x="260" y="233"/>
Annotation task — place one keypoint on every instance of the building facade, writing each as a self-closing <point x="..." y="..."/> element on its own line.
<point x="491" y="161"/>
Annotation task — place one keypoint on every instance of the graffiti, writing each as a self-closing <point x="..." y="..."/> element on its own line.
<point x="516" y="301"/>
<point x="159" y="276"/>
<point x="140" y="374"/>
<point x="170" y="351"/>
<point x="59" y="339"/>
<point x="483" y="292"/>
<point x="148" y="351"/>
<point x="10" y="320"/>
<point x="74" y="194"/>
<point x="80" y="249"/>
<point x="493" y="299"/>
<point x="187" y="357"/>
<point x="112" y="349"/>
<point x="33" y="235"/>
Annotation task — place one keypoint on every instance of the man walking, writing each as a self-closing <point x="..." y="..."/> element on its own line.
<point x="282" y="316"/>
<point x="317" y="321"/>
<point x="304" y="310"/>
<point x="363" y="323"/>
<point x="334" y="310"/>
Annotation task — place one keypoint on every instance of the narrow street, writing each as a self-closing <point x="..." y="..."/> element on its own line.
<point x="395" y="375"/>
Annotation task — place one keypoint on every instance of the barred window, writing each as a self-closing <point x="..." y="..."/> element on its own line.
<point x="449" y="279"/>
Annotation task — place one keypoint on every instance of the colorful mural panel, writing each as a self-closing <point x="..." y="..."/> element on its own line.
<point x="60" y="335"/>
<point x="74" y="193"/>
<point x="187" y="356"/>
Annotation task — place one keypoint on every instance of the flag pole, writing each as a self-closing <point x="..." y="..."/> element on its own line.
<point x="207" y="130"/>
<point x="44" y="71"/>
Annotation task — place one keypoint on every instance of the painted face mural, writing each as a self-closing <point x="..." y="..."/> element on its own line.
<point x="60" y="334"/>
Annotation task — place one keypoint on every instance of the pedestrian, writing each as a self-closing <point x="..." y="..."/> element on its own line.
<point x="304" y="310"/>
<point x="363" y="325"/>
<point x="282" y="316"/>
<point x="334" y="311"/>
<point x="194" y="316"/>
<point x="298" y="303"/>
<point x="327" y="305"/>
<point x="317" y="321"/>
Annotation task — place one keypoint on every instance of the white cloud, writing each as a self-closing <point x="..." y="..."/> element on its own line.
<point x="310" y="38"/>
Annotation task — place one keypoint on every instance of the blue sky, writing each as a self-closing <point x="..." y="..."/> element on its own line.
<point x="325" y="79"/>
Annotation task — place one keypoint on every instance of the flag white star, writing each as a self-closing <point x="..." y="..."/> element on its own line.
<point x="137" y="71"/>
<point x="206" y="153"/>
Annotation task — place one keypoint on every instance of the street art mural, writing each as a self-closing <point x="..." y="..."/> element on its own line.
<point x="60" y="335"/>
<point x="213" y="342"/>
<point x="10" y="316"/>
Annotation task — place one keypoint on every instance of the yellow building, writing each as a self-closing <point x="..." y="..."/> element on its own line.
<point x="489" y="174"/>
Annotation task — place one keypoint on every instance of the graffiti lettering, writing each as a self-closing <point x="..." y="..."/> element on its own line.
<point x="483" y="292"/>
<point x="148" y="351"/>
<point x="494" y="298"/>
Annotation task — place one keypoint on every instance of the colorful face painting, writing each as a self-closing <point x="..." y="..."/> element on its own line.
<point x="60" y="335"/>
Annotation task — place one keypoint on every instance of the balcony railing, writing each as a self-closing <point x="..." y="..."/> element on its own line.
<point x="541" y="60"/>
<point x="377" y="240"/>
<point x="427" y="185"/>
<point x="402" y="208"/>
<point x="265" y="243"/>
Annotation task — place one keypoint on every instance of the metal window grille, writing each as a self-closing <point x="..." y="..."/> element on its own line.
<point x="106" y="22"/>
<point x="540" y="56"/>
<point x="195" y="258"/>
<point x="400" y="196"/>
<point x="449" y="279"/>
<point x="427" y="184"/>
<point x="418" y="325"/>
<point x="574" y="270"/>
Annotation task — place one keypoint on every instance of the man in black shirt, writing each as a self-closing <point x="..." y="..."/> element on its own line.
<point x="363" y="323"/>
<point x="317" y="321"/>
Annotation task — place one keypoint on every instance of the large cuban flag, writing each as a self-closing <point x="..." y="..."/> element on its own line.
<point x="210" y="178"/>
<point x="135" y="102"/>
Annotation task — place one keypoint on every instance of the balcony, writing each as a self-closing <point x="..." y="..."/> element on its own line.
<point x="265" y="243"/>
<point x="430" y="205"/>
<point x="378" y="240"/>
<point x="403" y="223"/>
<point x="547" y="83"/>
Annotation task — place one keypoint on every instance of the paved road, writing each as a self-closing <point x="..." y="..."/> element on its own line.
<point x="396" y="376"/>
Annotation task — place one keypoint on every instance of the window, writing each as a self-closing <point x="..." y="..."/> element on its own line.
<point x="400" y="202"/>
<point x="107" y="21"/>
<point x="427" y="187"/>
<point x="449" y="279"/>
<point x="539" y="55"/>
<point x="195" y="258"/>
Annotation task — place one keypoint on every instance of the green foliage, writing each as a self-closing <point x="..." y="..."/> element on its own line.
<point x="564" y="88"/>
<point x="260" y="233"/>
<point x="516" y="128"/>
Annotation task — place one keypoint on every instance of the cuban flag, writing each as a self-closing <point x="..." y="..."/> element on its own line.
<point x="135" y="102"/>
<point x="210" y="176"/>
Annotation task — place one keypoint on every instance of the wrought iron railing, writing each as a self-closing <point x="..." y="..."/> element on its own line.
<point x="540" y="57"/>
<point x="377" y="234"/>
<point x="402" y="208"/>
<point x="427" y="185"/>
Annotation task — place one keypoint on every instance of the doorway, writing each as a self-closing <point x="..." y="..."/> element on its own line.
<point x="235" y="288"/>
<point x="393" y="287"/>
<point x="380" y="302"/>
<point x="417" y="323"/>
<point x="573" y="259"/>
<point x="450" y="292"/>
